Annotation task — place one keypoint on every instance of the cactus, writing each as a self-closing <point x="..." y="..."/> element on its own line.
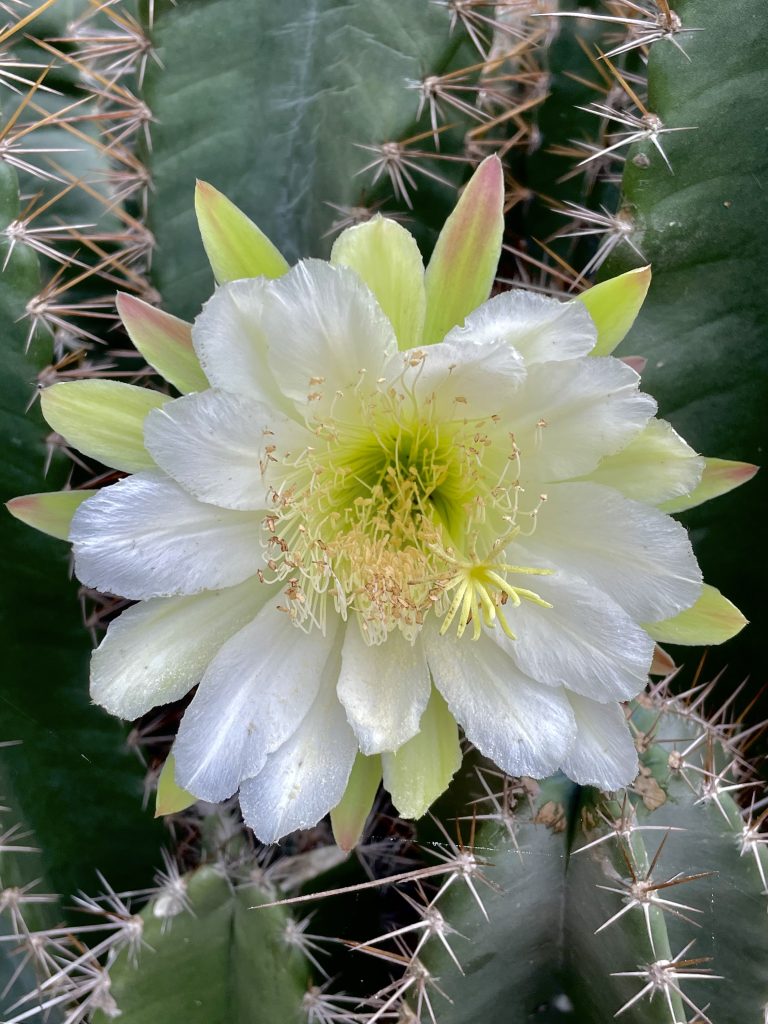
<point x="539" y="900"/>
<point x="66" y="747"/>
<point x="595" y="890"/>
<point x="207" y="956"/>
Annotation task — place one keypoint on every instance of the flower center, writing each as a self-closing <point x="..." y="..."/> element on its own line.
<point x="386" y="514"/>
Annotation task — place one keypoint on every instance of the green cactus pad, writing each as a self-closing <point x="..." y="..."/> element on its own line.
<point x="703" y="325"/>
<point x="212" y="957"/>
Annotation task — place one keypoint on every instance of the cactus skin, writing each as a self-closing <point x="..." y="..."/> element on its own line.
<point x="45" y="702"/>
<point x="212" y="960"/>
<point x="542" y="950"/>
<point x="291" y="116"/>
<point x="704" y="322"/>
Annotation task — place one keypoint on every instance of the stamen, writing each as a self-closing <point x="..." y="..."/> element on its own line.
<point x="481" y="592"/>
<point x="384" y="514"/>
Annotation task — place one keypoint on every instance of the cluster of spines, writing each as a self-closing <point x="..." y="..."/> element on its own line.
<point x="91" y="164"/>
<point x="619" y="116"/>
<point x="490" y="100"/>
<point x="105" y="50"/>
<point x="709" y="752"/>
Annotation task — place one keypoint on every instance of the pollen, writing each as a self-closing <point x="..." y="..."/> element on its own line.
<point x="480" y="592"/>
<point x="382" y="516"/>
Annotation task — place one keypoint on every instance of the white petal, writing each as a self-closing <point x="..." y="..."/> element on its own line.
<point x="384" y="689"/>
<point x="460" y="380"/>
<point x="221" y="446"/>
<point x="146" y="537"/>
<point x="632" y="552"/>
<point x="325" y="331"/>
<point x="252" y="698"/>
<point x="656" y="466"/>
<point x="158" y="650"/>
<point x="585" y="641"/>
<point x="571" y="414"/>
<point x="542" y="329"/>
<point x="522" y="726"/>
<point x="603" y="753"/>
<point x="231" y="345"/>
<point x="306" y="777"/>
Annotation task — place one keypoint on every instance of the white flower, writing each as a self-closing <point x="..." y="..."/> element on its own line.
<point x="354" y="541"/>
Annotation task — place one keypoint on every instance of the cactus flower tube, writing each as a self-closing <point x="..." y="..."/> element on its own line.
<point x="388" y="507"/>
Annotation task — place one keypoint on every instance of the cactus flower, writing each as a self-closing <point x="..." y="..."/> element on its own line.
<point x="388" y="507"/>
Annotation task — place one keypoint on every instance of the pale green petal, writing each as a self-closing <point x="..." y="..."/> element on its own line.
<point x="164" y="341"/>
<point x="103" y="419"/>
<point x="422" y="768"/>
<point x="348" y="818"/>
<point x="719" y="477"/>
<point x="388" y="260"/>
<point x="50" y="512"/>
<point x="614" y="305"/>
<point x="713" y="619"/>
<point x="655" y="466"/>
<point x="234" y="245"/>
<point x="171" y="798"/>
<point x="463" y="265"/>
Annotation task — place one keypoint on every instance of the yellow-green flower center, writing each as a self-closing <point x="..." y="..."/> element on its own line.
<point x="396" y="513"/>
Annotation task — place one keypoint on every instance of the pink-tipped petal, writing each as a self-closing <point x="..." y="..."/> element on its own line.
<point x="463" y="265"/>
<point x="164" y="341"/>
<point x="719" y="477"/>
<point x="662" y="664"/>
<point x="638" y="363"/>
<point x="50" y="513"/>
